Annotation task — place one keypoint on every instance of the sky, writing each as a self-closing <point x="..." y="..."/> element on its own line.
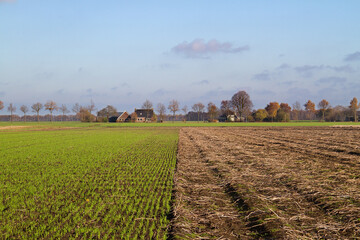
<point x="121" y="53"/>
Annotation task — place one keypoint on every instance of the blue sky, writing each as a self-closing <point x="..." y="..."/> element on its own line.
<point x="124" y="52"/>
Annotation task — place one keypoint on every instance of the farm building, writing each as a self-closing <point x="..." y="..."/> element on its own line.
<point x="228" y="118"/>
<point x="120" y="117"/>
<point x="144" y="115"/>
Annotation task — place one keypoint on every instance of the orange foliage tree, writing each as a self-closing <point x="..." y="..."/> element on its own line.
<point x="310" y="108"/>
<point x="323" y="105"/>
<point x="354" y="106"/>
<point x="272" y="109"/>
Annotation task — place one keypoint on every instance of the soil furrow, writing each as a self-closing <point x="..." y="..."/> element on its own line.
<point x="283" y="189"/>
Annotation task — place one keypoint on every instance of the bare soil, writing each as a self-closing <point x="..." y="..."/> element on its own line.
<point x="268" y="183"/>
<point x="12" y="127"/>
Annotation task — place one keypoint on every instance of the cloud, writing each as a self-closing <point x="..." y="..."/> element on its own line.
<point x="160" y="92"/>
<point x="199" y="48"/>
<point x="333" y="81"/>
<point x="60" y="91"/>
<point x="264" y="92"/>
<point x="352" y="57"/>
<point x="202" y="82"/>
<point x="309" y="70"/>
<point x="284" y="66"/>
<point x="264" y="76"/>
<point x="287" y="83"/>
<point x="166" y="66"/>
<point x="299" y="92"/>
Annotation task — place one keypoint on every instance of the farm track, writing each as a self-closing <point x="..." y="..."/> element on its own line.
<point x="286" y="180"/>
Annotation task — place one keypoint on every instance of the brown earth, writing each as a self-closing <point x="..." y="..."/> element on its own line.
<point x="267" y="183"/>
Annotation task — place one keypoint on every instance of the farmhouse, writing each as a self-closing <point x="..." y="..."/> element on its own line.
<point x="120" y="117"/>
<point x="144" y="115"/>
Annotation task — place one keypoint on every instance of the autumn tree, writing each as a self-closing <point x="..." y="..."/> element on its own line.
<point x="354" y="106"/>
<point x="24" y="109"/>
<point x="323" y="106"/>
<point x="283" y="113"/>
<point x="51" y="106"/>
<point x="84" y="115"/>
<point x="185" y="110"/>
<point x="212" y="111"/>
<point x="310" y="108"/>
<point x="241" y="103"/>
<point x="1" y="105"/>
<point x="133" y="117"/>
<point x="272" y="109"/>
<point x="64" y="110"/>
<point x="226" y="108"/>
<point x="199" y="108"/>
<point x="107" y="112"/>
<point x="161" y="110"/>
<point x="173" y="107"/>
<point x="11" y="109"/>
<point x="260" y="115"/>
<point x="36" y="108"/>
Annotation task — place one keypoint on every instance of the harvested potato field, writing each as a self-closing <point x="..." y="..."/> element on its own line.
<point x="267" y="183"/>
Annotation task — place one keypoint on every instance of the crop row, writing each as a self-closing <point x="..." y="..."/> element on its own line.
<point x="100" y="183"/>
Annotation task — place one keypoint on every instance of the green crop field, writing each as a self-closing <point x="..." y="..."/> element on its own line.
<point x="88" y="183"/>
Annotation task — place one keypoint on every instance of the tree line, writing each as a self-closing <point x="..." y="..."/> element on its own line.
<point x="238" y="108"/>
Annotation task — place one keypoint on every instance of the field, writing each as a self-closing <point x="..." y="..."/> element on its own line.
<point x="179" y="181"/>
<point x="271" y="183"/>
<point x="86" y="183"/>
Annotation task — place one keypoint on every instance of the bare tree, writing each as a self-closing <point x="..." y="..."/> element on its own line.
<point x="161" y="109"/>
<point x="51" y="106"/>
<point x="24" y="109"/>
<point x="354" y="106"/>
<point x="173" y="107"/>
<point x="323" y="106"/>
<point x="76" y="108"/>
<point x="91" y="107"/>
<point x="185" y="110"/>
<point x="64" y="111"/>
<point x="296" y="109"/>
<point x="1" y="105"/>
<point x="241" y="103"/>
<point x="226" y="107"/>
<point x="11" y="109"/>
<point x="199" y="108"/>
<point x="147" y="104"/>
<point x="36" y="107"/>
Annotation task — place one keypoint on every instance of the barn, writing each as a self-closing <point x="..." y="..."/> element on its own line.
<point x="120" y="117"/>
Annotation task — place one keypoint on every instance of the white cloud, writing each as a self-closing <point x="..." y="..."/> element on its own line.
<point x="199" y="48"/>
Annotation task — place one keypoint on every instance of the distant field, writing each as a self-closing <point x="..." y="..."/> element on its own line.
<point x="174" y="124"/>
<point x="89" y="183"/>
